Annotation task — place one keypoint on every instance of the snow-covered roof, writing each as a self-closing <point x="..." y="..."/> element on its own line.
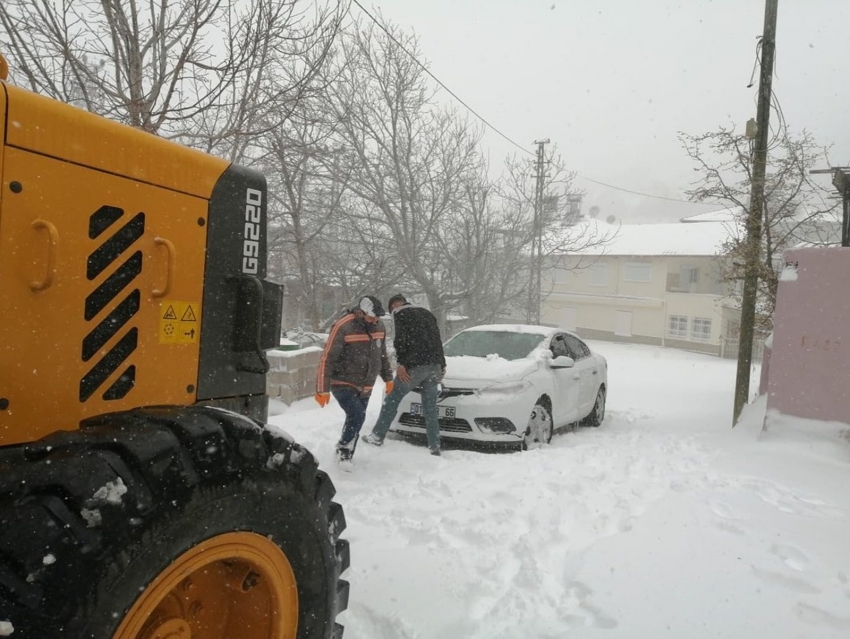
<point x="703" y="239"/>
<point x="721" y="215"/>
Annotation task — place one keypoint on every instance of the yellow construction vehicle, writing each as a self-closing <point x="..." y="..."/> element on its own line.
<point x="141" y="496"/>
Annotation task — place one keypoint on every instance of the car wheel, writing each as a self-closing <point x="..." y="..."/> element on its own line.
<point x="598" y="413"/>
<point x="539" y="428"/>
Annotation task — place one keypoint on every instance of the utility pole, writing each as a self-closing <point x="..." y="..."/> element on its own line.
<point x="756" y="213"/>
<point x="536" y="263"/>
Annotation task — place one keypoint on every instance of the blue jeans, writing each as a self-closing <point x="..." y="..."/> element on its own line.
<point x="354" y="404"/>
<point x="427" y="378"/>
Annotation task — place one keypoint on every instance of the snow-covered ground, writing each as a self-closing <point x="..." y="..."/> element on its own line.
<point x="663" y="522"/>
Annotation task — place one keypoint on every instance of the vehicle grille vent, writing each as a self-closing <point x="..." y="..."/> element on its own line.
<point x="115" y="252"/>
<point x="447" y="424"/>
<point x="445" y="393"/>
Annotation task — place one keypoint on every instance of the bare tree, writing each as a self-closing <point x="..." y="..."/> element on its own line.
<point x="358" y="255"/>
<point x="205" y="67"/>
<point x="485" y="249"/>
<point x="564" y="231"/>
<point x="796" y="208"/>
<point x="287" y="43"/>
<point x="409" y="158"/>
<point x="304" y="198"/>
<point x="327" y="242"/>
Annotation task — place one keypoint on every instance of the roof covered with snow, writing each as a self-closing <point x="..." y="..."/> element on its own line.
<point x="705" y="238"/>
<point x="721" y="215"/>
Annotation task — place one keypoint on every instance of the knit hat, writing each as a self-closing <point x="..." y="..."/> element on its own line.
<point x="371" y="305"/>
<point x="395" y="299"/>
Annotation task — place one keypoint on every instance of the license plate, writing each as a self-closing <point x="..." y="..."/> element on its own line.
<point x="442" y="411"/>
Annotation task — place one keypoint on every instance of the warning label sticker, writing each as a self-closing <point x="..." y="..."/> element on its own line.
<point x="178" y="322"/>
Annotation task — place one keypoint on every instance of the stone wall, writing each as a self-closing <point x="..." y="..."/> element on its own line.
<point x="292" y="375"/>
<point x="685" y="345"/>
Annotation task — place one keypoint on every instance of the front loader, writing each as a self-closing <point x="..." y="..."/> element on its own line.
<point x="141" y="495"/>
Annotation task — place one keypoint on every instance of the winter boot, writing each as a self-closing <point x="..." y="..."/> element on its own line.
<point x="372" y="439"/>
<point x="344" y="460"/>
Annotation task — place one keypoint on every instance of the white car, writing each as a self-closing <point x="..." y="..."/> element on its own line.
<point x="513" y="384"/>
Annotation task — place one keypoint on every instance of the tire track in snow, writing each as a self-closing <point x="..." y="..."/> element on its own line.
<point x="536" y="514"/>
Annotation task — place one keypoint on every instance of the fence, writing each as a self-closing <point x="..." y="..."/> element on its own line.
<point x="729" y="347"/>
<point x="292" y="374"/>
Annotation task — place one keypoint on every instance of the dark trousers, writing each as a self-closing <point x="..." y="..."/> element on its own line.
<point x="427" y="378"/>
<point x="354" y="404"/>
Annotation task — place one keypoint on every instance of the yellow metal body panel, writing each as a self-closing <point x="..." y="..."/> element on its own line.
<point x="52" y="128"/>
<point x="46" y="256"/>
<point x="2" y="144"/>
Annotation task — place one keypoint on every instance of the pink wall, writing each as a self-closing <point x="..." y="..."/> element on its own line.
<point x="810" y="359"/>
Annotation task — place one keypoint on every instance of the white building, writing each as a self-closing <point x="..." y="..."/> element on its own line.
<point x="651" y="284"/>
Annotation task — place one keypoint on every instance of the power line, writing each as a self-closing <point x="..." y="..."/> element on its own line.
<point x="437" y="80"/>
<point x="493" y="127"/>
<point x="618" y="188"/>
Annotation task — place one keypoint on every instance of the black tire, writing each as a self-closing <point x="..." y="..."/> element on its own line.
<point x="530" y="439"/>
<point x="72" y="565"/>
<point x="597" y="415"/>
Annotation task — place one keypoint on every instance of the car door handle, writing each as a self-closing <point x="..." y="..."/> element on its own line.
<point x="594" y="372"/>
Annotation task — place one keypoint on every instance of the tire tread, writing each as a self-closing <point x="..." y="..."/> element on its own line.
<point x="162" y="456"/>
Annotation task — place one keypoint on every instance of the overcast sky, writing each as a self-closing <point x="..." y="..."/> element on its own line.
<point x="613" y="81"/>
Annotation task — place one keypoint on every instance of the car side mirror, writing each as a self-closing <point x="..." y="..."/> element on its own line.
<point x="562" y="361"/>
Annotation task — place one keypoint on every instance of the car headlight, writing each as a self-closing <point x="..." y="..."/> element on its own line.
<point x="506" y="388"/>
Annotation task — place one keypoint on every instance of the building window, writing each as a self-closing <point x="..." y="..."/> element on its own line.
<point x="688" y="275"/>
<point x="677" y="326"/>
<point x="599" y="274"/>
<point x="733" y="329"/>
<point x="688" y="278"/>
<point x="559" y="275"/>
<point x="559" y="271"/>
<point x="701" y="328"/>
<point x="637" y="272"/>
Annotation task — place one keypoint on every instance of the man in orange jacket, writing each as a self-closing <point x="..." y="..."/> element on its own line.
<point x="354" y="356"/>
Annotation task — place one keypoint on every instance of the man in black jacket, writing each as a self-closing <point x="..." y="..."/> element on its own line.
<point x="421" y="363"/>
<point x="354" y="356"/>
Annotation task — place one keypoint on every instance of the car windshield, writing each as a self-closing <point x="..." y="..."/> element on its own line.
<point x="483" y="343"/>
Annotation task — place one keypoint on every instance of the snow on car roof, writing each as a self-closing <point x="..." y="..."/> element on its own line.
<point x="514" y="328"/>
